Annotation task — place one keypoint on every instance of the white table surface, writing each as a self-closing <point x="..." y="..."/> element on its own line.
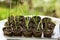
<point x="56" y="31"/>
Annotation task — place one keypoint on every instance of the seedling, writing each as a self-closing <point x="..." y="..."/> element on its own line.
<point x="27" y="22"/>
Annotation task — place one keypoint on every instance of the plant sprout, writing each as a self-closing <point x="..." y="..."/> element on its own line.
<point x="27" y="21"/>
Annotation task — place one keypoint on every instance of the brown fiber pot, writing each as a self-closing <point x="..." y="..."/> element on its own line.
<point x="50" y="25"/>
<point x="27" y="33"/>
<point x="37" y="33"/>
<point x="48" y="33"/>
<point x="7" y="31"/>
<point x="17" y="32"/>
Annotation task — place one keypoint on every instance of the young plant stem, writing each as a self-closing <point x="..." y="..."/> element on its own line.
<point x="15" y="23"/>
<point x="39" y="25"/>
<point x="27" y="21"/>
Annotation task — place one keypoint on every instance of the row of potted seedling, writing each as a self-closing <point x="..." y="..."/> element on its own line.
<point x="28" y="26"/>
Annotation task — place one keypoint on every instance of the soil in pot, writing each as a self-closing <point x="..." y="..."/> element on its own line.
<point x="45" y="20"/>
<point x="37" y="19"/>
<point x="11" y="21"/>
<point x="7" y="31"/>
<point x="6" y="24"/>
<point x="10" y="18"/>
<point x="22" y="21"/>
<point x="51" y="25"/>
<point x="33" y="23"/>
<point x="17" y="21"/>
<point x="17" y="31"/>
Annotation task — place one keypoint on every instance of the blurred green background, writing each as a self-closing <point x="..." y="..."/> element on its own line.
<point x="27" y="7"/>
